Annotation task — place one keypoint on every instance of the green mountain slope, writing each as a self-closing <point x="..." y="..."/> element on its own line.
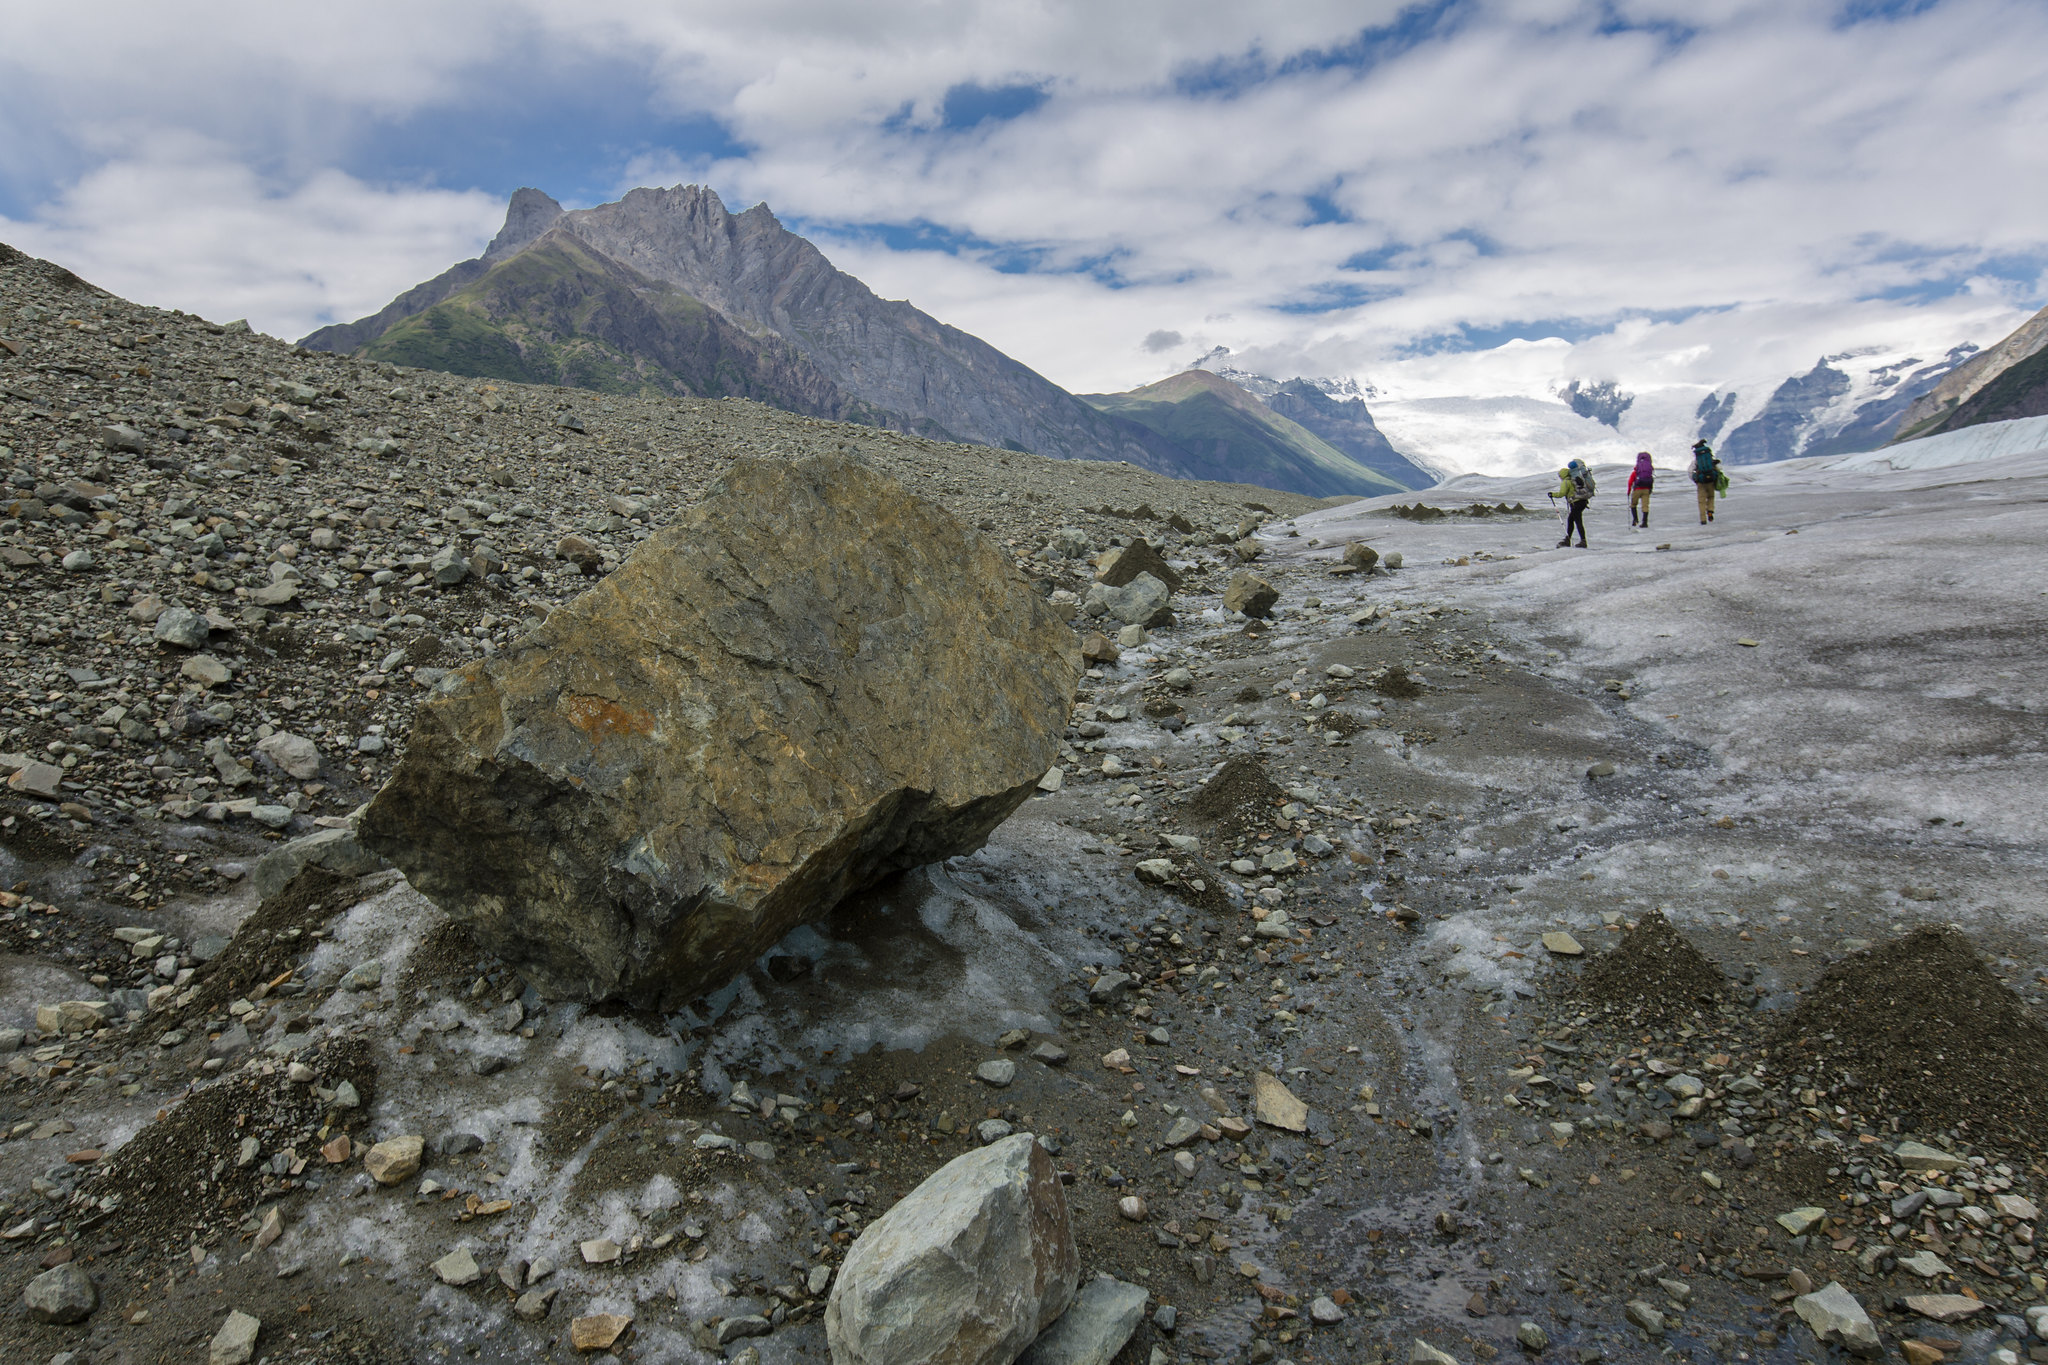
<point x="561" y="312"/>
<point x="1220" y="431"/>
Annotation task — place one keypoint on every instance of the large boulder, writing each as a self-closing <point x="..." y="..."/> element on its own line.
<point x="966" y="1269"/>
<point x="1119" y="567"/>
<point x="1250" y="594"/>
<point x="1144" y="601"/>
<point x="812" y="682"/>
<point x="63" y="1295"/>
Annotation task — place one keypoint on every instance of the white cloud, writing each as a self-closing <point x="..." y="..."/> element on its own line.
<point x="1760" y="169"/>
<point x="179" y="223"/>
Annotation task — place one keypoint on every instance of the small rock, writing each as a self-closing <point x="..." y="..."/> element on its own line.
<point x="1914" y="1156"/>
<point x="1834" y="1315"/>
<point x="458" y="1268"/>
<point x="1562" y="944"/>
<point x="364" y="976"/>
<point x="1943" y="1307"/>
<point x="1645" y="1315"/>
<point x="205" y="670"/>
<point x="746" y="1325"/>
<point x="2014" y="1206"/>
<point x="61" y="1296"/>
<point x="1156" y="871"/>
<point x="534" y="1303"/>
<point x="600" y="1251"/>
<point x="598" y="1331"/>
<point x="395" y="1159"/>
<point x="1094" y="1330"/>
<point x="1052" y="1054"/>
<point x="181" y="627"/>
<point x="1926" y="1265"/>
<point x="1324" y="1312"/>
<point x="1685" y="1087"/>
<point x="1422" y="1353"/>
<point x="1360" y="555"/>
<point x="235" y="1342"/>
<point x="992" y="1130"/>
<point x="1108" y="986"/>
<point x="1275" y="1105"/>
<point x="1181" y="1132"/>
<point x="298" y="756"/>
<point x="1532" y="1338"/>
<point x="1132" y="1208"/>
<point x="1799" y="1222"/>
<point x="38" y="779"/>
<point x="998" y="1073"/>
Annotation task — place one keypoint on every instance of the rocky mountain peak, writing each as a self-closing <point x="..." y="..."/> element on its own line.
<point x="530" y="213"/>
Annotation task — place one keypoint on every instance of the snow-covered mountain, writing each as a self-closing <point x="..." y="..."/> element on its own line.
<point x="1839" y="404"/>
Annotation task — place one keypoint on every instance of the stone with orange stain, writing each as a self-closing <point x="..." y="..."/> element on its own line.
<point x="730" y="734"/>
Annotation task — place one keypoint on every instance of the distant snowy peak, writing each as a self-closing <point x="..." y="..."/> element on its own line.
<point x="1846" y="403"/>
<point x="1217" y="362"/>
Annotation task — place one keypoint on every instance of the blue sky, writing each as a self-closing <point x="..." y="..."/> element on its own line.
<point x="1384" y="190"/>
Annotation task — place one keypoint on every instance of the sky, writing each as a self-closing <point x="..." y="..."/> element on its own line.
<point x="1443" y="199"/>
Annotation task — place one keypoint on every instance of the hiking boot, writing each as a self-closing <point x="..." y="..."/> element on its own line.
<point x="1566" y="543"/>
<point x="1582" y="545"/>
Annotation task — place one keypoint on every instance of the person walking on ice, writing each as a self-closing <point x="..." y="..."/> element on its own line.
<point x="1639" y="480"/>
<point x="1707" y="478"/>
<point x="1575" y="486"/>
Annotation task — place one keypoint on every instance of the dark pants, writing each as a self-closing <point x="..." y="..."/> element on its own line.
<point x="1576" y="517"/>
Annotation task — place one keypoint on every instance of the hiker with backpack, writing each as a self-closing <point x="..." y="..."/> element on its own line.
<point x="1639" y="481"/>
<point x="1707" y="478"/>
<point x="1575" y="486"/>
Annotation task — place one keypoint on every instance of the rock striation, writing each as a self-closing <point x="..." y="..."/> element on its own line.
<point x="811" y="682"/>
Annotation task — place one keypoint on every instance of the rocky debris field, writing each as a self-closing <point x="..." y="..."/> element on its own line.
<point x="1373" y="987"/>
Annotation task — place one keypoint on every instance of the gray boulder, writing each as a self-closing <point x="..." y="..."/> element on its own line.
<point x="337" y="850"/>
<point x="814" y="681"/>
<point x="1141" y="602"/>
<point x="1104" y="1315"/>
<point x="966" y="1269"/>
<point x="61" y="1296"/>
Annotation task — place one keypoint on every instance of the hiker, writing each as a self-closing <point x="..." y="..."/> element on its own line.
<point x="1707" y="478"/>
<point x="1639" y="480"/>
<point x="1575" y="486"/>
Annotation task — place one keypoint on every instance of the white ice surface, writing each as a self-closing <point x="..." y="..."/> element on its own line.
<point x="1897" y="614"/>
<point x="1986" y="441"/>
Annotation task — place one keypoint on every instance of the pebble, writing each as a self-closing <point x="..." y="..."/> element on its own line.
<point x="235" y="1342"/>
<point x="1324" y="1312"/>
<point x="1801" y="1221"/>
<point x="598" y="1331"/>
<point x="458" y="1268"/>
<point x="395" y="1160"/>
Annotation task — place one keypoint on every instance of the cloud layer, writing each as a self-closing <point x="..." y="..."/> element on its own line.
<point x="1686" y="192"/>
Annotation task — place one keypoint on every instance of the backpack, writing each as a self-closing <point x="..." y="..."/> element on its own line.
<point x="1704" y="469"/>
<point x="1582" y="485"/>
